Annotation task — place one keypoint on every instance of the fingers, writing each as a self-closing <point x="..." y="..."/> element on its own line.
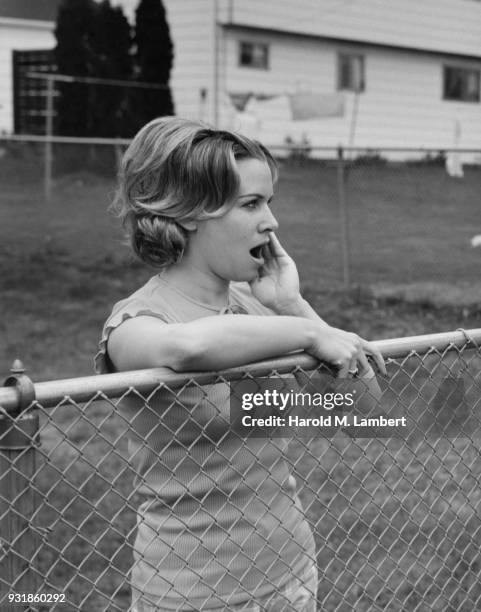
<point x="349" y="347"/>
<point x="276" y="248"/>
<point x="267" y="253"/>
<point x="352" y="368"/>
<point x="355" y="362"/>
<point x="343" y="371"/>
<point x="366" y="348"/>
<point x="375" y="353"/>
<point x="363" y="364"/>
<point x="274" y="253"/>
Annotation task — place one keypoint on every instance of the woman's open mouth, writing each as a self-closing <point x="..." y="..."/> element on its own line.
<point x="257" y="252"/>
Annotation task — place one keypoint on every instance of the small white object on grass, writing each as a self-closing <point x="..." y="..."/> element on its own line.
<point x="476" y="241"/>
<point x="454" y="167"/>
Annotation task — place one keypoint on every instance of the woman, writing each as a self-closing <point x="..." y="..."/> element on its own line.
<point x="220" y="526"/>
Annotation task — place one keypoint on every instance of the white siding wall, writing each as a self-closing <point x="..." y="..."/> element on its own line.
<point x="192" y="29"/>
<point x="449" y="25"/>
<point x="402" y="104"/>
<point x="17" y="36"/>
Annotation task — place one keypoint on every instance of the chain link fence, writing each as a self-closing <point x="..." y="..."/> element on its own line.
<point x="396" y="520"/>
<point x="401" y="202"/>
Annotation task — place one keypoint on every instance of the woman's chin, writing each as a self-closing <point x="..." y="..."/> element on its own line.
<point x="251" y="274"/>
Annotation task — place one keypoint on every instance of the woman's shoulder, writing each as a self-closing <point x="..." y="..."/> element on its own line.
<point x="148" y="300"/>
<point x="154" y="297"/>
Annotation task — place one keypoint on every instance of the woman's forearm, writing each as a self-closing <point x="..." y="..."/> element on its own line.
<point x="232" y="340"/>
<point x="301" y="308"/>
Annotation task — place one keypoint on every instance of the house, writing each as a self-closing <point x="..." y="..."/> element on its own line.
<point x="26" y="41"/>
<point x="370" y="73"/>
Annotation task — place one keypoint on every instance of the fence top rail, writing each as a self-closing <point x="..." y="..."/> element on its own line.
<point x="51" y="393"/>
<point x="278" y="146"/>
<point x="64" y="139"/>
<point x="69" y="78"/>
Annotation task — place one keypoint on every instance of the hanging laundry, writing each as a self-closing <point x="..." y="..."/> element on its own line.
<point x="316" y="106"/>
<point x="454" y="166"/>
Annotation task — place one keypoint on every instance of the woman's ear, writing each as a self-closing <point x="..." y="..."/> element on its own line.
<point x="190" y="226"/>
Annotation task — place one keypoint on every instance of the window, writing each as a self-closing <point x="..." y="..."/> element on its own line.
<point x="350" y="72"/>
<point x="461" y="84"/>
<point x="254" y="55"/>
<point x="29" y="94"/>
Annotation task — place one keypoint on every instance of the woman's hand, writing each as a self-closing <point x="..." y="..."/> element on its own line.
<point x="360" y="366"/>
<point x="277" y="285"/>
<point x="346" y="351"/>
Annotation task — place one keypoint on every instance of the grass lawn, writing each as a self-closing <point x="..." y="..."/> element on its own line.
<point x="407" y="534"/>
<point x="63" y="264"/>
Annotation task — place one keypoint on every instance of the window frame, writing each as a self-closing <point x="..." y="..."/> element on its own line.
<point x="351" y="55"/>
<point x="260" y="65"/>
<point x="30" y="94"/>
<point x="466" y="71"/>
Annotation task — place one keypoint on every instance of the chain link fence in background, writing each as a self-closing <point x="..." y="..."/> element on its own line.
<point x="397" y="521"/>
<point x="356" y="200"/>
<point x="50" y="158"/>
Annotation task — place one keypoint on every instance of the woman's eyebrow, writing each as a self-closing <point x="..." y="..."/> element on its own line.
<point x="255" y="195"/>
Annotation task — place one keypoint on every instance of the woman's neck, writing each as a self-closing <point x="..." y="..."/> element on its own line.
<point x="198" y="285"/>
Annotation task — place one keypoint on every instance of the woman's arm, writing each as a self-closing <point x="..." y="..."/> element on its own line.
<point x="300" y="307"/>
<point x="214" y="343"/>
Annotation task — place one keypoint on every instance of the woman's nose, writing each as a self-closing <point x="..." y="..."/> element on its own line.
<point x="269" y="222"/>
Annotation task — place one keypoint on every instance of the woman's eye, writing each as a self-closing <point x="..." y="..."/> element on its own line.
<point x="251" y="204"/>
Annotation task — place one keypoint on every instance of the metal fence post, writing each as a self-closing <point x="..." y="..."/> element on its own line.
<point x="48" y="162"/>
<point x="19" y="544"/>
<point x="343" y="218"/>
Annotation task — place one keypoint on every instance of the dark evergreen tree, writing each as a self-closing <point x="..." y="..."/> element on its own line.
<point x="74" y="56"/>
<point x="94" y="39"/>
<point x="154" y="55"/>
<point x="112" y="59"/>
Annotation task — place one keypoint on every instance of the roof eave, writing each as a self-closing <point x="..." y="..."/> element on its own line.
<point x="345" y="40"/>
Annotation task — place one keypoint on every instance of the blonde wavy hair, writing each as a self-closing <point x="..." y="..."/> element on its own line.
<point x="175" y="171"/>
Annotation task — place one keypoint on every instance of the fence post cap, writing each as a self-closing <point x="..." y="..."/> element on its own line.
<point x="17" y="367"/>
<point x="23" y="384"/>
